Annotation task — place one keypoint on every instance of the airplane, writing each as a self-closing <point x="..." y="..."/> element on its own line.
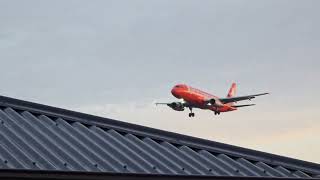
<point x="195" y="98"/>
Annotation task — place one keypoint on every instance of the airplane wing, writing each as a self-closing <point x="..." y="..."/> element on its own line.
<point x="240" y="98"/>
<point x="245" y="105"/>
<point x="185" y="104"/>
<point x="162" y="103"/>
<point x="178" y="106"/>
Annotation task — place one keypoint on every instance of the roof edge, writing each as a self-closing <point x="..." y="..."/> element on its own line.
<point x="71" y="175"/>
<point x="158" y="134"/>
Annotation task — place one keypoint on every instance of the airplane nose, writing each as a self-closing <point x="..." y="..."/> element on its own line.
<point x="174" y="92"/>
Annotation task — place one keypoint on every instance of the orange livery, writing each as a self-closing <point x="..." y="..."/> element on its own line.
<point x="195" y="98"/>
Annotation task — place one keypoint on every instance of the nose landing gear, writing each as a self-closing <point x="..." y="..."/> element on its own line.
<point x="191" y="114"/>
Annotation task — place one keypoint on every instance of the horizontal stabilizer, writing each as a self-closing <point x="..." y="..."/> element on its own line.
<point x="236" y="106"/>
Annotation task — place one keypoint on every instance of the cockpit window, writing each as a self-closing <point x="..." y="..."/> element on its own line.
<point x="180" y="86"/>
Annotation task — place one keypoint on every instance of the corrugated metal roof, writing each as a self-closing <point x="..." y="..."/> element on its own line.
<point x="17" y="174"/>
<point x="40" y="137"/>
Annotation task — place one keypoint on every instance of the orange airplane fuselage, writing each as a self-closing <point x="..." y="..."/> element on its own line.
<point x="199" y="99"/>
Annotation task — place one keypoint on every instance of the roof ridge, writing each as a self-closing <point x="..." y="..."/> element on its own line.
<point x="193" y="142"/>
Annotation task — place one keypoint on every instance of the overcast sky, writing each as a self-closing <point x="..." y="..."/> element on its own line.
<point x="116" y="58"/>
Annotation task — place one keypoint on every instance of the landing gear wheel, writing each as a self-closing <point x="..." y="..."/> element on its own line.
<point x="216" y="113"/>
<point x="191" y="114"/>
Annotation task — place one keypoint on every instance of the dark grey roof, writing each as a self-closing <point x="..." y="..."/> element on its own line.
<point x="18" y="174"/>
<point x="39" y="137"/>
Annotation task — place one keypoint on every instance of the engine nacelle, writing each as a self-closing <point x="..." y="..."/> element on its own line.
<point x="177" y="106"/>
<point x="212" y="101"/>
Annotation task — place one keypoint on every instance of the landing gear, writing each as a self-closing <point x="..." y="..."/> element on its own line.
<point x="216" y="113"/>
<point x="191" y="114"/>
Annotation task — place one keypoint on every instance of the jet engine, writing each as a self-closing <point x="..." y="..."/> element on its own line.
<point x="178" y="106"/>
<point x="214" y="102"/>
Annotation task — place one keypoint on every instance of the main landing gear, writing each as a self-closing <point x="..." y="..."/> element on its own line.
<point x="216" y="113"/>
<point x="191" y="114"/>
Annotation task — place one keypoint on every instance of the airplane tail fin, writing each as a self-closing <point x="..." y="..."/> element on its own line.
<point x="232" y="90"/>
